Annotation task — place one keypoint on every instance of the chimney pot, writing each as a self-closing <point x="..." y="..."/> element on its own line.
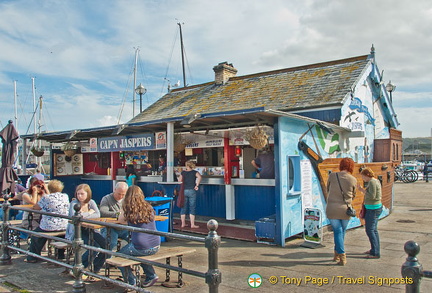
<point x="223" y="71"/>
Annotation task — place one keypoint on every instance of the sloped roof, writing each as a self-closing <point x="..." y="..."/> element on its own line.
<point x="242" y="101"/>
<point x="311" y="86"/>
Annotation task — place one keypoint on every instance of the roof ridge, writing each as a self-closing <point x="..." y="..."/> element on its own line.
<point x="276" y="71"/>
<point x="303" y="67"/>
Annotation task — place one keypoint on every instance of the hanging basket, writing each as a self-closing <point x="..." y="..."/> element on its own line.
<point x="70" y="153"/>
<point x="258" y="143"/>
<point x="37" y="152"/>
<point x="257" y="138"/>
<point x="179" y="143"/>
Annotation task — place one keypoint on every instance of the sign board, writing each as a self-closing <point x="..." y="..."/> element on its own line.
<point x="161" y="140"/>
<point x="126" y="143"/>
<point x="313" y="225"/>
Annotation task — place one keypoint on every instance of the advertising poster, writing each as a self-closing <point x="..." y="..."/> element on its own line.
<point x="312" y="225"/>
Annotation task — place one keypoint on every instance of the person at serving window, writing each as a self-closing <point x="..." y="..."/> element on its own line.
<point x="130" y="175"/>
<point x="55" y="202"/>
<point x="191" y="180"/>
<point x="110" y="207"/>
<point x="264" y="164"/>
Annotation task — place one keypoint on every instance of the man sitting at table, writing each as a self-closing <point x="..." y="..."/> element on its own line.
<point x="58" y="203"/>
<point x="110" y="207"/>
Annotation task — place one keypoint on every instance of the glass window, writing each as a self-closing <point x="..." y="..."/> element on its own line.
<point x="294" y="178"/>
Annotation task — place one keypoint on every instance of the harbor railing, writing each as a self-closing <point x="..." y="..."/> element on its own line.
<point x="412" y="270"/>
<point x="212" y="241"/>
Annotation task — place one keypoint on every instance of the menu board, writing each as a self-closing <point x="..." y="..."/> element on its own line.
<point x="64" y="165"/>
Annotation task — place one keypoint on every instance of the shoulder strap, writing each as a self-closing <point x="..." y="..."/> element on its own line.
<point x="343" y="197"/>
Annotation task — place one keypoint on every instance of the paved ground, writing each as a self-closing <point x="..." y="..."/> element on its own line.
<point x="293" y="268"/>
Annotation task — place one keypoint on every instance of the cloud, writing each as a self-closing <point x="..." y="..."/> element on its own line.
<point x="82" y="52"/>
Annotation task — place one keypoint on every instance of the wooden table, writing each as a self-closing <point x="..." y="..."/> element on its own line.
<point x="113" y="221"/>
<point x="100" y="226"/>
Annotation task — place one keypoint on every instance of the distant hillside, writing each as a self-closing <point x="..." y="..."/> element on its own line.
<point x="422" y="144"/>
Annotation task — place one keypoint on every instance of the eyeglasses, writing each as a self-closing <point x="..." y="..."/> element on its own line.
<point x="38" y="186"/>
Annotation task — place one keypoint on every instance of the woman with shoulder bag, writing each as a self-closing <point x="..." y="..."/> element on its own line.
<point x="373" y="206"/>
<point x="341" y="189"/>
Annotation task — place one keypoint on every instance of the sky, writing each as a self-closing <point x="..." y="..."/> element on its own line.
<point x="81" y="53"/>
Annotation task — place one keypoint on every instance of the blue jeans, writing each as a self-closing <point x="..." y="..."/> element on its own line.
<point x="115" y="235"/>
<point x="339" y="229"/>
<point x="371" y="226"/>
<point x="99" y="241"/>
<point x="149" y="271"/>
<point x="189" y="203"/>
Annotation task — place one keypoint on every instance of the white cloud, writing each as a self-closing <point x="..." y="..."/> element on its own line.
<point x="81" y="53"/>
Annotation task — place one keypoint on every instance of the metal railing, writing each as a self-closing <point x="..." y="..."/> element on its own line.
<point x="212" y="241"/>
<point x="412" y="271"/>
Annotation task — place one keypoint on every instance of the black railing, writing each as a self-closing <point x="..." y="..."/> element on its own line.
<point x="412" y="270"/>
<point x="212" y="242"/>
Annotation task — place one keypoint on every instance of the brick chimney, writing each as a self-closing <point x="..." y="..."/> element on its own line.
<point x="223" y="71"/>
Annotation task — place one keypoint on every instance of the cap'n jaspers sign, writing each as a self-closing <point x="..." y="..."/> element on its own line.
<point x="126" y="143"/>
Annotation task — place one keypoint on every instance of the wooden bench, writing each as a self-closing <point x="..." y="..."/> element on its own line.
<point x="49" y="241"/>
<point x="61" y="245"/>
<point x="163" y="253"/>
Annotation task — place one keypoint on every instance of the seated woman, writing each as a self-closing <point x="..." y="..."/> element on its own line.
<point x="140" y="214"/>
<point x="32" y="196"/>
<point x="89" y="210"/>
<point x="58" y="203"/>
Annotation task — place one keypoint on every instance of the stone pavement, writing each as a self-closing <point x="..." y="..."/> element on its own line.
<point x="292" y="268"/>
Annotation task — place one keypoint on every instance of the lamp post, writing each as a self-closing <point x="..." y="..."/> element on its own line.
<point x="140" y="90"/>
<point x="390" y="88"/>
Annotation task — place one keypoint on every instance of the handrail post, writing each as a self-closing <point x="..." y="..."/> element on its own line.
<point x="212" y="242"/>
<point x="5" y="258"/>
<point x="412" y="269"/>
<point x="79" y="285"/>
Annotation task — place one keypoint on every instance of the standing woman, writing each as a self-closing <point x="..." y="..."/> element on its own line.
<point x="140" y="214"/>
<point x="89" y="210"/>
<point x="373" y="205"/>
<point x="191" y="180"/>
<point x="341" y="188"/>
<point x="130" y="175"/>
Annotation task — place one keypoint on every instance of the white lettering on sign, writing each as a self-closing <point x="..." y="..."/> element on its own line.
<point x="108" y="144"/>
<point x="135" y="142"/>
<point x="214" y="142"/>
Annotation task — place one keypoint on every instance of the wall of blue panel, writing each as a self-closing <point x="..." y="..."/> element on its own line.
<point x="210" y="201"/>
<point x="254" y="202"/>
<point x="99" y="188"/>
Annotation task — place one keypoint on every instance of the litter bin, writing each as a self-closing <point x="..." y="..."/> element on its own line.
<point x="162" y="207"/>
<point x="265" y="230"/>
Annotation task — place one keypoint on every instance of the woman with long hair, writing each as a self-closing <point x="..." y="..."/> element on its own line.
<point x="137" y="212"/>
<point x="89" y="210"/>
<point x="130" y="175"/>
<point x="341" y="188"/>
<point x="373" y="205"/>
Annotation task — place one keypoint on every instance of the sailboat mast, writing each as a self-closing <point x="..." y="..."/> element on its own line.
<point x="34" y="105"/>
<point x="39" y="120"/>
<point x="182" y="54"/>
<point x="134" y="83"/>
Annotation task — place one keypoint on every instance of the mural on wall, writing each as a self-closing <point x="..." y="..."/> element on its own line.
<point x="329" y="141"/>
<point x="358" y="107"/>
<point x="292" y="205"/>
